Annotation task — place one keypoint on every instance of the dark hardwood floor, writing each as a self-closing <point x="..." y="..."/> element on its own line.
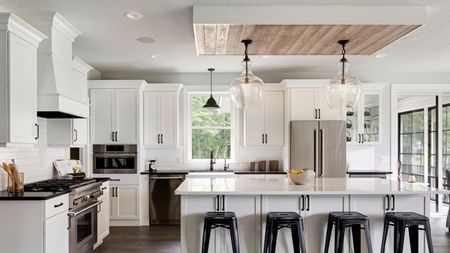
<point x="166" y="239"/>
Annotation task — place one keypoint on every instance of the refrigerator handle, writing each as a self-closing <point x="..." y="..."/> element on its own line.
<point x="321" y="153"/>
<point x="315" y="150"/>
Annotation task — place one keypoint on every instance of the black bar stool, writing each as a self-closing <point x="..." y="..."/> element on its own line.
<point x="220" y="220"/>
<point x="401" y="221"/>
<point x="343" y="220"/>
<point x="278" y="220"/>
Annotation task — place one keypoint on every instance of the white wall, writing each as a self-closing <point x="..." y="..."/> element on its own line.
<point x="36" y="162"/>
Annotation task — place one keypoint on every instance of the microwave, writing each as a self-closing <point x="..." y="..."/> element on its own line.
<point x="115" y="159"/>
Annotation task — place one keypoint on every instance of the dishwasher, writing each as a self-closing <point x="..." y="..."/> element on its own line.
<point x="164" y="205"/>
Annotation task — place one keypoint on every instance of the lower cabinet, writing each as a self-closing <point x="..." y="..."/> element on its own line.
<point x="56" y="234"/>
<point x="376" y="206"/>
<point x="247" y="209"/>
<point x="124" y="202"/>
<point x="103" y="215"/>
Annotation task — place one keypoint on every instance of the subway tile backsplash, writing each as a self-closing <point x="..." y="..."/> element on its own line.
<point x="36" y="162"/>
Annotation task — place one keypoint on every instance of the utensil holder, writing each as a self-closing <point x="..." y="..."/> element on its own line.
<point x="15" y="183"/>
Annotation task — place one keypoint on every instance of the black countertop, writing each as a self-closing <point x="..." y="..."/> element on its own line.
<point x="4" y="195"/>
<point x="102" y="179"/>
<point x="368" y="172"/>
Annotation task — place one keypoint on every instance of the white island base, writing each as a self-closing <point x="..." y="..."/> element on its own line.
<point x="252" y="199"/>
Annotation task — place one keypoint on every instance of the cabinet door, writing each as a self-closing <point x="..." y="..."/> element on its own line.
<point x="169" y="118"/>
<point x="127" y="202"/>
<point x="371" y="118"/>
<point x="22" y="91"/>
<point x="315" y="217"/>
<point x="79" y="132"/>
<point x="102" y="114"/>
<point x="280" y="204"/>
<point x="103" y="218"/>
<point x="254" y="126"/>
<point x="274" y="118"/>
<point x="303" y="104"/>
<point x="248" y="213"/>
<point x="325" y="112"/>
<point x="127" y="119"/>
<point x="56" y="235"/>
<point x="193" y="211"/>
<point x="152" y="118"/>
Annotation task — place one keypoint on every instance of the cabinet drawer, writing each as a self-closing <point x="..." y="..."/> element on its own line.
<point x="56" y="205"/>
<point x="105" y="187"/>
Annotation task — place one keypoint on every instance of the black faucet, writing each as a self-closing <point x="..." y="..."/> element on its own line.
<point x="225" y="165"/>
<point x="212" y="161"/>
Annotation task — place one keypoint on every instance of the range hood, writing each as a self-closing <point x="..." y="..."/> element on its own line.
<point x="58" y="94"/>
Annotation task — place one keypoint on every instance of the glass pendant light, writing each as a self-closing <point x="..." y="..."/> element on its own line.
<point x="211" y="104"/>
<point x="344" y="90"/>
<point x="247" y="89"/>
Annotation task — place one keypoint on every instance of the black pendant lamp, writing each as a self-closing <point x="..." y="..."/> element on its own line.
<point x="211" y="104"/>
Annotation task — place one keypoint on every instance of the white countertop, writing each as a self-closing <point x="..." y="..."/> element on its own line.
<point x="321" y="186"/>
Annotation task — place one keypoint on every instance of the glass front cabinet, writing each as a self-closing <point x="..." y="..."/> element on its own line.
<point x="363" y="121"/>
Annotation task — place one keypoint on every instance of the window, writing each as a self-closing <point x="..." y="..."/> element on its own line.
<point x="411" y="148"/>
<point x="211" y="130"/>
<point x="445" y="146"/>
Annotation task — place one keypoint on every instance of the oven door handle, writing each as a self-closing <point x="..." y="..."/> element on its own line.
<point x="166" y="178"/>
<point x="73" y="214"/>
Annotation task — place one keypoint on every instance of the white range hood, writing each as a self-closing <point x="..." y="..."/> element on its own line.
<point x="58" y="94"/>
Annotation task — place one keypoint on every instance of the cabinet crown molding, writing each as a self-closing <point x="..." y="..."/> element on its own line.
<point x="11" y="22"/>
<point x="81" y="66"/>
<point x="163" y="87"/>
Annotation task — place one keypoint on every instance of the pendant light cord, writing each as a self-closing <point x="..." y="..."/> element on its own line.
<point x="246" y="59"/>
<point x="343" y="60"/>
<point x="211" y="79"/>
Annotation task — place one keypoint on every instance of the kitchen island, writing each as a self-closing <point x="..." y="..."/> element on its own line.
<point x="252" y="199"/>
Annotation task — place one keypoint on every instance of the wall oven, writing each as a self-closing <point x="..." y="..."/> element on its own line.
<point x="115" y="159"/>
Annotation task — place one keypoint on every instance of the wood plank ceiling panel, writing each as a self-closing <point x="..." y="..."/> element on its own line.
<point x="224" y="39"/>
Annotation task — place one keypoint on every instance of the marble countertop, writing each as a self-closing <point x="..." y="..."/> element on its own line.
<point x="321" y="186"/>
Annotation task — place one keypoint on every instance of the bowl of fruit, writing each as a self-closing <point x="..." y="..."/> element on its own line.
<point x="302" y="176"/>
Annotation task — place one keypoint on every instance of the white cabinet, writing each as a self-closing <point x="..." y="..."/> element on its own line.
<point x="248" y="213"/>
<point x="313" y="208"/>
<point x="69" y="132"/>
<point x="124" y="202"/>
<point x="103" y="214"/>
<point x="376" y="206"/>
<point x="364" y="121"/>
<point x="56" y="234"/>
<point x="18" y="87"/>
<point x="265" y="125"/>
<point x="115" y="116"/>
<point x="311" y="104"/>
<point x="161" y="118"/>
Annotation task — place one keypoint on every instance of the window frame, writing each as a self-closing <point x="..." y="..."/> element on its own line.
<point x="188" y="128"/>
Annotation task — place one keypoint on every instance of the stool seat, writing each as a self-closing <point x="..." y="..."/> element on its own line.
<point x="406" y="216"/>
<point x="283" y="215"/>
<point x="348" y="215"/>
<point x="220" y="215"/>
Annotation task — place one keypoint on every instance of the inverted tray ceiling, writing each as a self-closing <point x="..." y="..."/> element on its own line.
<point x="224" y="39"/>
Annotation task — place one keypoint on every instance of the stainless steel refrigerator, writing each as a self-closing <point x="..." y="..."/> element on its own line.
<point x="319" y="145"/>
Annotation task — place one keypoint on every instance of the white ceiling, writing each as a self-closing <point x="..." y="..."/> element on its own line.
<point x="109" y="41"/>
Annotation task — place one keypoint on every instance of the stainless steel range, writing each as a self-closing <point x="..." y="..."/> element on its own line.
<point x="83" y="209"/>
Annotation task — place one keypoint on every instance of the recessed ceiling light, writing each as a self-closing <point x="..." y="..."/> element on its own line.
<point x="156" y="56"/>
<point x="133" y="15"/>
<point x="146" y="40"/>
<point x="381" y="55"/>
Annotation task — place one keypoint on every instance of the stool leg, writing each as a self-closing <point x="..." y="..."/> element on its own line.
<point x="396" y="236"/>
<point x="273" y="238"/>
<point x="295" y="237"/>
<point x="428" y="235"/>
<point x="401" y="241"/>
<point x="414" y="238"/>
<point x="267" y="236"/>
<point x="356" y="234"/>
<point x="341" y="238"/>
<point x="368" y="239"/>
<point x="234" y="236"/>
<point x="206" y="236"/>
<point x="385" y="232"/>
<point x="328" y="237"/>
<point x="337" y="228"/>
<point x="302" y="236"/>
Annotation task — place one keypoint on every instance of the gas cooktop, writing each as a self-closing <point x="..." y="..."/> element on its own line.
<point x="57" y="185"/>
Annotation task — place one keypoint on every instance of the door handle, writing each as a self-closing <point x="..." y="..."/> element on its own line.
<point x="321" y="152"/>
<point x="307" y="200"/>
<point x="217" y="203"/>
<point x="112" y="136"/>
<point x="302" y="203"/>
<point x="76" y="135"/>
<point x="319" y="113"/>
<point x="116" y="136"/>
<point x="315" y="113"/>
<point x="393" y="203"/>
<point x="266" y="138"/>
<point x="262" y="140"/>
<point x="158" y="139"/>
<point x="37" y="131"/>
<point x="162" y="138"/>
<point x="223" y="202"/>
<point x="117" y="192"/>
<point x="388" y="206"/>
<point x="315" y="147"/>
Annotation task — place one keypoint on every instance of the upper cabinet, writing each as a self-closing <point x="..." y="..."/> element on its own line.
<point x="264" y="126"/>
<point x="18" y="73"/>
<point x="115" y="111"/>
<point x="161" y="114"/>
<point x="311" y="104"/>
<point x="364" y="120"/>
